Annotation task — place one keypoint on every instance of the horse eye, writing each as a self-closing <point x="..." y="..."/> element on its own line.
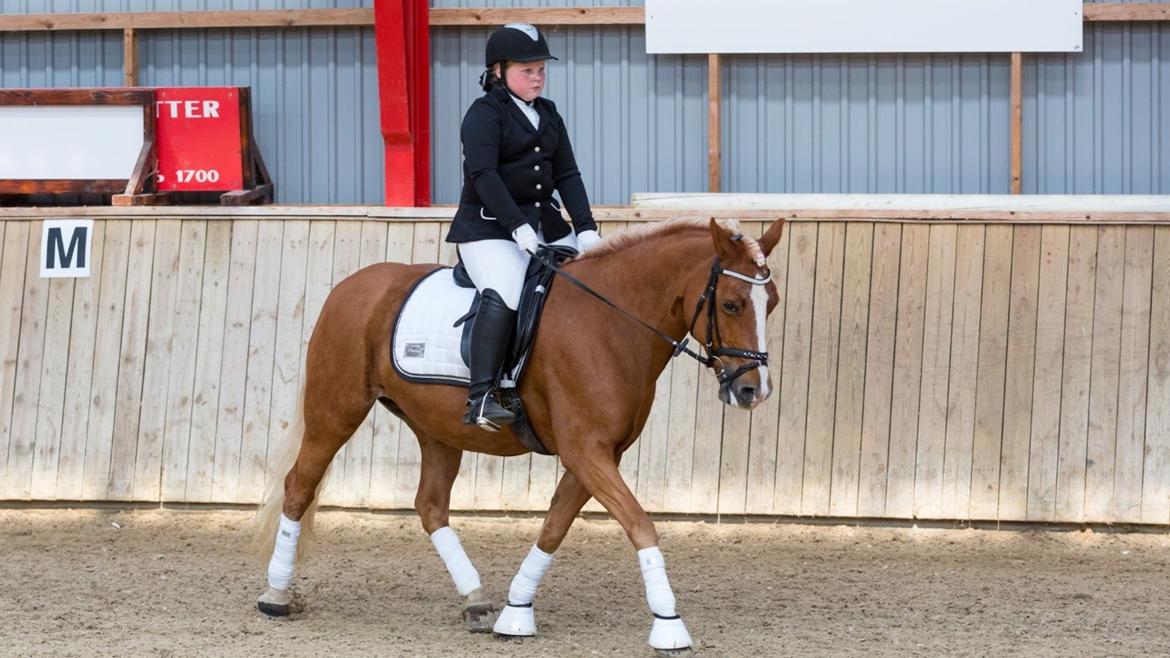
<point x="730" y="307"/>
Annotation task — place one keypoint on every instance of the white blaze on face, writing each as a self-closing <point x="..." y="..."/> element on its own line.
<point x="760" y="305"/>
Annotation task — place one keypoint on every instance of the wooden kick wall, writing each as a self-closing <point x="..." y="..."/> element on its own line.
<point x="943" y="370"/>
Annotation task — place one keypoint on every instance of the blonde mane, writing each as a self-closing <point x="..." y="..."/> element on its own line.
<point x="654" y="230"/>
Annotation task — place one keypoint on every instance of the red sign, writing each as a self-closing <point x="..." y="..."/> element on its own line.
<point x="199" y="143"/>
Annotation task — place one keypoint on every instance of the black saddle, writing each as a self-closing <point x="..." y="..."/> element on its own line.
<point x="537" y="282"/>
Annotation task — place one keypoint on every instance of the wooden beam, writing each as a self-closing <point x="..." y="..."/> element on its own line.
<point x="188" y="20"/>
<point x="540" y="16"/>
<point x="130" y="57"/>
<point x="714" y="105"/>
<point x="1127" y="11"/>
<point x="1017" y="121"/>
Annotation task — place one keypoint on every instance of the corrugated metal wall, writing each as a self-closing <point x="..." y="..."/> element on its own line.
<point x="1094" y="123"/>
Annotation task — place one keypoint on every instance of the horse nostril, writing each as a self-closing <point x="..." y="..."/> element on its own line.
<point x="747" y="393"/>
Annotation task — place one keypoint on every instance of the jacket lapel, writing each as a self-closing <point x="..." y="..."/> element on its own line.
<point x="514" y="110"/>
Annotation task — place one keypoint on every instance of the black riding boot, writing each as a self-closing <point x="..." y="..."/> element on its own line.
<point x="493" y="327"/>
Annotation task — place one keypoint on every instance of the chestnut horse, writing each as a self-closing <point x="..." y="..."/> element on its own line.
<point x="587" y="389"/>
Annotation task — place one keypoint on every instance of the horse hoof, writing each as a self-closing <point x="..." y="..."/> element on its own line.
<point x="479" y="615"/>
<point x="274" y="602"/>
<point x="669" y="637"/>
<point x="516" y="621"/>
<point x="675" y="653"/>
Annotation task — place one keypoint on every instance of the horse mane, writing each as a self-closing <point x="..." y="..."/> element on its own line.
<point x="657" y="230"/>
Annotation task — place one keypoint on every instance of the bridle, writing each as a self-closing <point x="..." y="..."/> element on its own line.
<point x="713" y="347"/>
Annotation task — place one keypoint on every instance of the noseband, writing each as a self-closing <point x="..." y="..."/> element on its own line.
<point x="713" y="347"/>
<point x="714" y="343"/>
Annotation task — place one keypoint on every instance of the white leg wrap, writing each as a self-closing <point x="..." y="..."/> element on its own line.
<point x="458" y="564"/>
<point x="517" y="617"/>
<point x="668" y="631"/>
<point x="532" y="570"/>
<point x="280" y="567"/>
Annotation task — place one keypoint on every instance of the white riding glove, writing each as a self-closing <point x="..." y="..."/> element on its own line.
<point x="526" y="238"/>
<point x="588" y="240"/>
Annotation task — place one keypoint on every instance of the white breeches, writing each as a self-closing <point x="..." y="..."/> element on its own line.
<point x="501" y="265"/>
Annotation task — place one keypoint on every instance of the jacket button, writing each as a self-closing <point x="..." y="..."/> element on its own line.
<point x="536" y="167"/>
<point x="539" y="186"/>
<point x="537" y="204"/>
<point x="537" y="149"/>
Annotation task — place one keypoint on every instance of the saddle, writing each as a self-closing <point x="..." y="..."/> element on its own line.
<point x="432" y="334"/>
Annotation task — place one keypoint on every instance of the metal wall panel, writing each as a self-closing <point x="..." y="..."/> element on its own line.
<point x="1094" y="123"/>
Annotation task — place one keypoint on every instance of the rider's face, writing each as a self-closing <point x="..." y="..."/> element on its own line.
<point x="526" y="80"/>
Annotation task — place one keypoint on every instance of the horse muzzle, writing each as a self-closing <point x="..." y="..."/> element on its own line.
<point x="746" y="387"/>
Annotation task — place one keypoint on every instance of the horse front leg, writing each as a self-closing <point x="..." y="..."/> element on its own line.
<point x="440" y="467"/>
<point x="596" y="467"/>
<point x="517" y="618"/>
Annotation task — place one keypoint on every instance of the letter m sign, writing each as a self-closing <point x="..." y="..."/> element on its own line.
<point x="65" y="245"/>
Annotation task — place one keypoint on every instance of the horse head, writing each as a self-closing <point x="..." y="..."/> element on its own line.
<point x="738" y="297"/>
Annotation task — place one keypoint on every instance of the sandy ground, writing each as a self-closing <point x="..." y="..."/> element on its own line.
<point x="182" y="583"/>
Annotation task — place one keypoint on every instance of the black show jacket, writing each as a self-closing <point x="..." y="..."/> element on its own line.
<point x="510" y="170"/>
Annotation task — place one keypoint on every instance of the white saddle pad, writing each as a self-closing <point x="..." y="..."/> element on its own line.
<point x="425" y="345"/>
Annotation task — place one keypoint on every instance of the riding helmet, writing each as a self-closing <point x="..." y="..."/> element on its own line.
<point x="517" y="42"/>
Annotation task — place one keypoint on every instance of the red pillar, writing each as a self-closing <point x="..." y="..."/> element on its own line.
<point x="402" y="36"/>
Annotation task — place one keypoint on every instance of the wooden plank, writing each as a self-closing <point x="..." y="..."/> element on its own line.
<point x="733" y="463"/>
<point x="912" y="277"/>
<point x="29" y="357"/>
<point x="387" y="427"/>
<point x="160" y="349"/>
<point x="992" y="370"/>
<point x="682" y="407"/>
<point x="286" y="359"/>
<point x="129" y="57"/>
<point x="192" y="20"/>
<point x="1126" y="11"/>
<point x="851" y="360"/>
<point x="341" y="486"/>
<point x="209" y="362"/>
<point x="1045" y="439"/>
<point x="13" y="253"/>
<point x="761" y="485"/>
<point x="51" y="399"/>
<point x="879" y="371"/>
<point x="714" y="129"/>
<point x="79" y="383"/>
<point x="652" y="444"/>
<point x="1135" y="359"/>
<point x="257" y="402"/>
<point x="1156" y="480"/>
<point x="450" y="17"/>
<point x="229" y="424"/>
<point x="1105" y="373"/>
<point x="964" y="368"/>
<point x="822" y="386"/>
<point x="794" y="368"/>
<point x="132" y="357"/>
<point x="1017" y="122"/>
<point x="936" y="364"/>
<point x="99" y="435"/>
<point x="1021" y="363"/>
<point x="1076" y="375"/>
<point x="184" y="352"/>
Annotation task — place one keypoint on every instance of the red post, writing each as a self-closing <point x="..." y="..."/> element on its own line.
<point x="402" y="37"/>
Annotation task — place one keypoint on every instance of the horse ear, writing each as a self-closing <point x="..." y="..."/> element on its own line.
<point x="724" y="244"/>
<point x="772" y="236"/>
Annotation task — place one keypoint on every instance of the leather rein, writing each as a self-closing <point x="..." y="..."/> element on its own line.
<point x="713" y="347"/>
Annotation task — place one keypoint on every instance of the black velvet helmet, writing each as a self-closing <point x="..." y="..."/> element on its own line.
<point x="517" y="42"/>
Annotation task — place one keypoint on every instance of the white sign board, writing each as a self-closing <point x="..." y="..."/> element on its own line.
<point x="65" y="247"/>
<point x="863" y="26"/>
<point x="47" y="142"/>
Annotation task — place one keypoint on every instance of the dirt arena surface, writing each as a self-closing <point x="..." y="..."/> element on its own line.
<point x="182" y="583"/>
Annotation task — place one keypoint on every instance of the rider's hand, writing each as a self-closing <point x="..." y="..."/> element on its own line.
<point x="588" y="240"/>
<point x="526" y="238"/>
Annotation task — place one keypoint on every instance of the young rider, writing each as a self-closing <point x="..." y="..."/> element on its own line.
<point x="516" y="151"/>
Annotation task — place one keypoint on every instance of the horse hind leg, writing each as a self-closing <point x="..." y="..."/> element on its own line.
<point x="440" y="467"/>
<point x="291" y="504"/>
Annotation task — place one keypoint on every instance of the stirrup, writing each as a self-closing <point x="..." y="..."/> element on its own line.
<point x="475" y="414"/>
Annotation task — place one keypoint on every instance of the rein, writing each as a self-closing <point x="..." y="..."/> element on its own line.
<point x="707" y="299"/>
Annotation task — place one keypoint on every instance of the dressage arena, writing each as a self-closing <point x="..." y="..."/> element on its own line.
<point x="965" y="450"/>
<point x="164" y="582"/>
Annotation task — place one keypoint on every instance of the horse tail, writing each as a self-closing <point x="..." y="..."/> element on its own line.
<point x="267" y="517"/>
